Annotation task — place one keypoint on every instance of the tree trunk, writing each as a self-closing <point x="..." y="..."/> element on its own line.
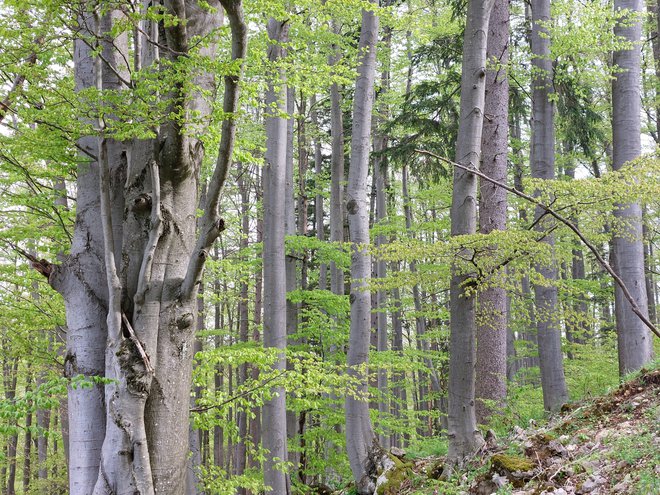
<point x="360" y="439"/>
<point x="240" y="457"/>
<point x="464" y="437"/>
<point x="634" y="338"/>
<point x="492" y="311"/>
<point x="27" y="440"/>
<point x="318" y="199"/>
<point x="275" y="314"/>
<point x="145" y="192"/>
<point x="337" y="208"/>
<point x="542" y="164"/>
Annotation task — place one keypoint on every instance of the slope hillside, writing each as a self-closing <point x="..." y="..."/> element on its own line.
<point x="610" y="445"/>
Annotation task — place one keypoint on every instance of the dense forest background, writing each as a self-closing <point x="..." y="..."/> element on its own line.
<point x="320" y="229"/>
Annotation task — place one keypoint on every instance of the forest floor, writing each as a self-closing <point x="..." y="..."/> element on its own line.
<point x="608" y="445"/>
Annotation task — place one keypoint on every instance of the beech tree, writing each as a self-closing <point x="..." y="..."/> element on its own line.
<point x="361" y="442"/>
<point x="491" y="367"/>
<point x="634" y="338"/>
<point x="131" y="280"/>
<point x="464" y="437"/>
<point x="543" y="167"/>
<point x="275" y="311"/>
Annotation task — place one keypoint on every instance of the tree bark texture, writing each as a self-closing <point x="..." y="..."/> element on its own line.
<point x="543" y="167"/>
<point x="492" y="311"/>
<point x="275" y="312"/>
<point x="130" y="283"/>
<point x="464" y="437"/>
<point x="360" y="438"/>
<point x="634" y="339"/>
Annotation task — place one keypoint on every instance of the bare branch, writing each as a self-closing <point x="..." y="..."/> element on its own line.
<point x="238" y="396"/>
<point x="138" y="344"/>
<point x="41" y="265"/>
<point x="606" y="266"/>
<point x="154" y="235"/>
<point x="17" y="84"/>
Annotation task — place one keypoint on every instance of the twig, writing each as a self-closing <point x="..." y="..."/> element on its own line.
<point x="138" y="344"/>
<point x="238" y="396"/>
<point x="41" y="265"/>
<point x="566" y="222"/>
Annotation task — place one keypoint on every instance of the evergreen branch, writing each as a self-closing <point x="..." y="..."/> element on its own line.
<point x="552" y="212"/>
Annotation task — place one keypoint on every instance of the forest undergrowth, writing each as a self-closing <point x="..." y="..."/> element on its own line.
<point x="602" y="445"/>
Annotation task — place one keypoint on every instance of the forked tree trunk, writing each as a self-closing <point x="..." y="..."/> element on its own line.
<point x="139" y="269"/>
<point x="464" y="437"/>
<point x="543" y="167"/>
<point x="360" y="438"/>
<point x="492" y="313"/>
<point x="275" y="314"/>
<point x="634" y="338"/>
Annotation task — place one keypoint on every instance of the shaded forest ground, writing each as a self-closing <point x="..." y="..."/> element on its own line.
<point x="606" y="445"/>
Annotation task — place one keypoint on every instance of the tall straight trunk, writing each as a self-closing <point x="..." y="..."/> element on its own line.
<point x="543" y="167"/>
<point x="9" y="379"/>
<point x="577" y="328"/>
<point x="464" y="437"/>
<point x="634" y="338"/>
<point x="380" y="169"/>
<point x="85" y="318"/>
<point x="255" y="424"/>
<point x="291" y="259"/>
<point x="43" y="424"/>
<point x="360" y="438"/>
<point x="274" y="410"/>
<point x="529" y="359"/>
<point x="492" y="312"/>
<point x="218" y="376"/>
<point x="337" y="208"/>
<point x="400" y="405"/>
<point x="27" y="440"/>
<point x="318" y="199"/>
<point x="240" y="452"/>
<point x="382" y="179"/>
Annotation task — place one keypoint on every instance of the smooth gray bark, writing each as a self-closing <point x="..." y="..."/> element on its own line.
<point x="464" y="437"/>
<point x="360" y="438"/>
<point x="492" y="331"/>
<point x="543" y="167"/>
<point x="142" y="268"/>
<point x="382" y="185"/>
<point x="240" y="453"/>
<point x="337" y="179"/>
<point x="85" y="303"/>
<point x="634" y="339"/>
<point x="275" y="314"/>
<point x="318" y="200"/>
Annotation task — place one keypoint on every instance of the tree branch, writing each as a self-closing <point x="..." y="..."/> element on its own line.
<point x="606" y="266"/>
<point x="154" y="235"/>
<point x="242" y="394"/>
<point x="211" y="225"/>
